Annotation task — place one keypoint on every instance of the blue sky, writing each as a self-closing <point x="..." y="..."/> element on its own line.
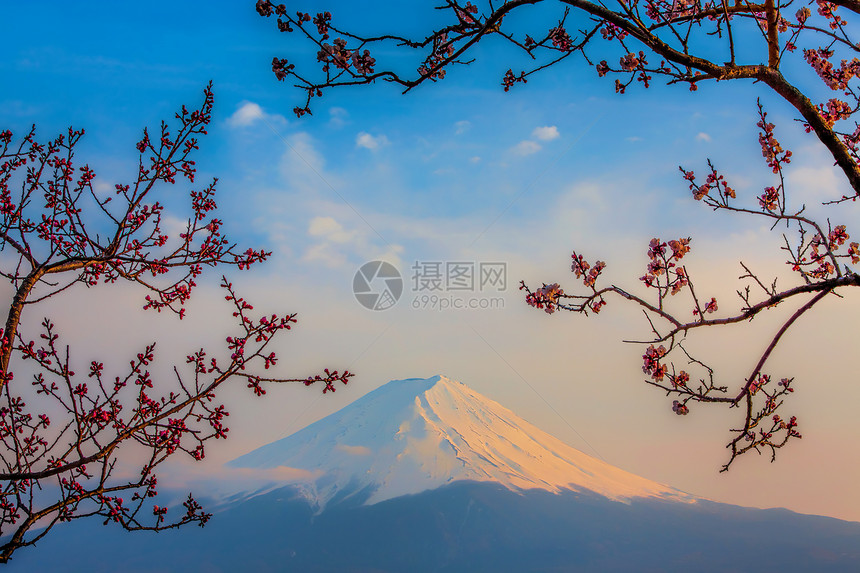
<point x="459" y="170"/>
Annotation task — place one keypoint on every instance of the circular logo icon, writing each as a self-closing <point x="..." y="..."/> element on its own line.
<point x="377" y="285"/>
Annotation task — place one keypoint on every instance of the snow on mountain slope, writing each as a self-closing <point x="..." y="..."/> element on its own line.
<point x="409" y="436"/>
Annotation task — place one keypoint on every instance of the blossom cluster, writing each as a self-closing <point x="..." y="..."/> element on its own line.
<point x="582" y="269"/>
<point x="433" y="65"/>
<point x="663" y="272"/>
<point x="545" y="297"/>
<point x="714" y="182"/>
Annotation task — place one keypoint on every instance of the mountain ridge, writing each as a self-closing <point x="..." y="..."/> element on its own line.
<point x="466" y="527"/>
<point x="335" y="520"/>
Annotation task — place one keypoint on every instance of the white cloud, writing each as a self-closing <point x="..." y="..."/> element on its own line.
<point x="526" y="147"/>
<point x="546" y="133"/>
<point x="475" y="159"/>
<point x="337" y="246"/>
<point x="248" y="113"/>
<point x="462" y="126"/>
<point x="330" y="229"/>
<point x="702" y="136"/>
<point x="332" y="235"/>
<point x="370" y="142"/>
<point x="283" y="211"/>
<point x="338" y="117"/>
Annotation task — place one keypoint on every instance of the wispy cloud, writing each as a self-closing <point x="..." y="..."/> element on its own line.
<point x="338" y="117"/>
<point x="702" y="136"/>
<point x="303" y="167"/>
<point x="329" y="228"/>
<point x="526" y="147"/>
<point x="462" y="126"/>
<point x="336" y="246"/>
<point x="370" y="142"/>
<point x="530" y="146"/>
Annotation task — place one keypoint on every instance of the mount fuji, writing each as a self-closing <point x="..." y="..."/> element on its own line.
<point x="414" y="435"/>
<point x="427" y="475"/>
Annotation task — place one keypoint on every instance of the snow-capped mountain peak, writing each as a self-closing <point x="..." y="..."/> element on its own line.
<point x="413" y="435"/>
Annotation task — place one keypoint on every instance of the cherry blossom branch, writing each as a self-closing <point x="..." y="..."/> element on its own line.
<point x="71" y="459"/>
<point x="816" y="260"/>
<point x="665" y="30"/>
